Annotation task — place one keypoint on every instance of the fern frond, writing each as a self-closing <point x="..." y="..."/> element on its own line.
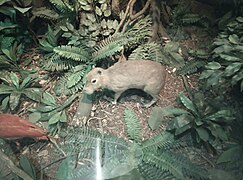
<point x="55" y="63"/>
<point x="191" y="67"/>
<point x="166" y="162"/>
<point x="190" y="18"/>
<point x="74" y="53"/>
<point x="83" y="144"/>
<point x="139" y="31"/>
<point x="163" y="141"/>
<point x="43" y="12"/>
<point x="149" y="51"/>
<point x="109" y="46"/>
<point x="133" y="125"/>
<point x="73" y="81"/>
<point x="70" y="169"/>
<point x="153" y="173"/>
<point x="62" y="5"/>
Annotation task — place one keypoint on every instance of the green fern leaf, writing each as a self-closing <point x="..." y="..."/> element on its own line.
<point x="191" y="67"/>
<point x="62" y="6"/>
<point x="165" y="162"/>
<point x="56" y="63"/>
<point x="108" y="47"/>
<point x="163" y="141"/>
<point x="73" y="81"/>
<point x="153" y="173"/>
<point x="139" y="30"/>
<point x="133" y="125"/>
<point x="45" y="13"/>
<point x="149" y="51"/>
<point x="74" y="53"/>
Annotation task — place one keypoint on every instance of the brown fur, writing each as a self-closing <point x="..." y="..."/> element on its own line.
<point x="146" y="75"/>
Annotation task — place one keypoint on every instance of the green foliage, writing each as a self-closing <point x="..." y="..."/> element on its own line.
<point x="50" y="41"/>
<point x="115" y="158"/>
<point x="28" y="167"/>
<point x="52" y="112"/>
<point x="109" y="46"/>
<point x="226" y="67"/>
<point x="78" y="55"/>
<point x="132" y="124"/>
<point x="17" y="22"/>
<point x="191" y="67"/>
<point x="9" y="57"/>
<point x="207" y="120"/>
<point x="72" y="81"/>
<point x="169" y="54"/>
<point x="94" y="17"/>
<point x="62" y="11"/>
<point x="73" y="53"/>
<point x="182" y="16"/>
<point x="12" y="89"/>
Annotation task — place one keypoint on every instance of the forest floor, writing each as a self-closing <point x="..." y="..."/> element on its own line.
<point x="109" y="118"/>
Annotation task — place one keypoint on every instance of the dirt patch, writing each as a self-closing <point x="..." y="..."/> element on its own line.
<point x="109" y="118"/>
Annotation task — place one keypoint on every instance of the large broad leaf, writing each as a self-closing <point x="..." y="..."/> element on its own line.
<point x="15" y="80"/>
<point x="159" y="114"/>
<point x="222" y="49"/>
<point x="46" y="109"/>
<point x="231" y="154"/>
<point x="156" y="118"/>
<point x="206" y="74"/>
<point x="48" y="99"/>
<point x="22" y="10"/>
<point x="5" y="103"/>
<point x="222" y="116"/>
<point x="215" y="78"/>
<point x="219" y="133"/>
<point x="213" y="65"/>
<point x="27" y="166"/>
<point x="55" y="118"/>
<point x="229" y="57"/>
<point x="232" y="69"/>
<point x="26" y="82"/>
<point x="33" y="93"/>
<point x="180" y="123"/>
<point x="187" y="103"/>
<point x="203" y="134"/>
<point x="34" y="117"/>
<point x="4" y="89"/>
<point x="14" y="100"/>
<point x="237" y="77"/>
<point x="199" y="100"/>
<point x="63" y="117"/>
<point x="234" y="39"/>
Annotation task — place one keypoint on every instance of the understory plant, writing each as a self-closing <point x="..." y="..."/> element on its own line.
<point x="14" y="88"/>
<point x="207" y="121"/>
<point x="225" y="69"/>
<point x="52" y="112"/>
<point x="88" y="154"/>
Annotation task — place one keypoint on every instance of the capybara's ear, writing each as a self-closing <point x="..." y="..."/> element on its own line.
<point x="99" y="71"/>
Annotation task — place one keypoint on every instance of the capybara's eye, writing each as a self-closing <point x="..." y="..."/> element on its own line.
<point x="93" y="81"/>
